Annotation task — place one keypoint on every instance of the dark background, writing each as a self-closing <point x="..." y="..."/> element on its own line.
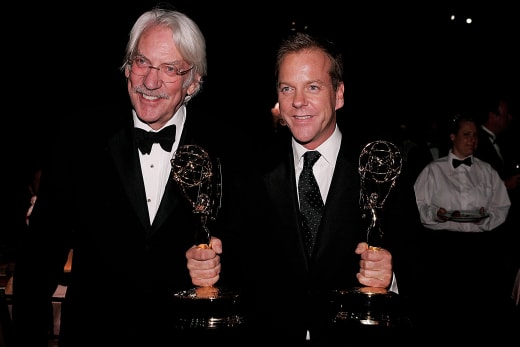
<point x="400" y="60"/>
<point x="397" y="57"/>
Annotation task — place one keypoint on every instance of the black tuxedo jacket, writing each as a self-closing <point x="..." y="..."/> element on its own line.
<point x="291" y="291"/>
<point x="124" y="269"/>
<point x="487" y="152"/>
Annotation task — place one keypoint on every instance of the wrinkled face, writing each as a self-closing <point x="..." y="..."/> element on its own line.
<point x="307" y="100"/>
<point x="154" y="100"/>
<point x="466" y="140"/>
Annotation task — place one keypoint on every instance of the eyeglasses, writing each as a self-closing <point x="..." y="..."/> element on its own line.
<point x="140" y="66"/>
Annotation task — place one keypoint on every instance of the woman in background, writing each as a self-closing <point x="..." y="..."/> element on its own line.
<point x="461" y="201"/>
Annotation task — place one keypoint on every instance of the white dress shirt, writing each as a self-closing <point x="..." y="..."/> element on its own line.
<point x="462" y="188"/>
<point x="323" y="169"/>
<point x="156" y="166"/>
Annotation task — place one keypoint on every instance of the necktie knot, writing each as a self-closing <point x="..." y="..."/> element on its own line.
<point x="310" y="158"/>
<point x="146" y="139"/>
<point x="456" y="162"/>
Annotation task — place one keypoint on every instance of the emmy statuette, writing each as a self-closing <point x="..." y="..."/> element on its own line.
<point x="200" y="180"/>
<point x="380" y="165"/>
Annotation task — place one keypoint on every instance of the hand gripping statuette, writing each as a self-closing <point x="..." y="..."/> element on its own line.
<point x="380" y="164"/>
<point x="203" y="308"/>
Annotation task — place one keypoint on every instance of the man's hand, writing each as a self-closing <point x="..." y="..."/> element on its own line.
<point x="375" y="266"/>
<point x="204" y="263"/>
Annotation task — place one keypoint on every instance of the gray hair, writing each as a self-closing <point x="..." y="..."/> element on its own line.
<point x="187" y="37"/>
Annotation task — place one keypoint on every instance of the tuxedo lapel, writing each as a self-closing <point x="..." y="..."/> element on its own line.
<point x="487" y="152"/>
<point x="342" y="205"/>
<point x="123" y="150"/>
<point x="173" y="195"/>
<point x="280" y="183"/>
<point x="171" y="198"/>
<point x="283" y="195"/>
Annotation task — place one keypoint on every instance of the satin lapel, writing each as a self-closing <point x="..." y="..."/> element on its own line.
<point x="342" y="205"/>
<point x="123" y="149"/>
<point x="487" y="152"/>
<point x="171" y="198"/>
<point x="280" y="183"/>
<point x="172" y="194"/>
<point x="282" y="194"/>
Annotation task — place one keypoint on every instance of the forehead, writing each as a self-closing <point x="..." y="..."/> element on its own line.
<point x="157" y="43"/>
<point x="306" y="61"/>
<point x="468" y="126"/>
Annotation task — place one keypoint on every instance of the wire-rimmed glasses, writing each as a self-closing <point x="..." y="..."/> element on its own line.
<point x="168" y="72"/>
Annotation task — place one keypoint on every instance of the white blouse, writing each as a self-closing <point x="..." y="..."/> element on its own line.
<point x="462" y="188"/>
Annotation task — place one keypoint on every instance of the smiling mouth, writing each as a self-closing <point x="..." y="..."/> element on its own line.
<point x="149" y="97"/>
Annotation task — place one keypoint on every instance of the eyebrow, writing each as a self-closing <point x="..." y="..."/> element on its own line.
<point x="175" y="62"/>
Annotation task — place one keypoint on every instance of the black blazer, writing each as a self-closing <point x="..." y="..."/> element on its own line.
<point x="292" y="292"/>
<point x="124" y="269"/>
<point x="487" y="152"/>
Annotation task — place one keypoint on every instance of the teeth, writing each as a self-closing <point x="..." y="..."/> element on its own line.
<point x="302" y="117"/>
<point x="149" y="97"/>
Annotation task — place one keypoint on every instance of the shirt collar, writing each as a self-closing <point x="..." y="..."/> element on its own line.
<point x="329" y="149"/>
<point x="452" y="156"/>
<point x="178" y="119"/>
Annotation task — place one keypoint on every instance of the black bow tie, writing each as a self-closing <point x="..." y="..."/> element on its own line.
<point x="145" y="139"/>
<point x="456" y="163"/>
